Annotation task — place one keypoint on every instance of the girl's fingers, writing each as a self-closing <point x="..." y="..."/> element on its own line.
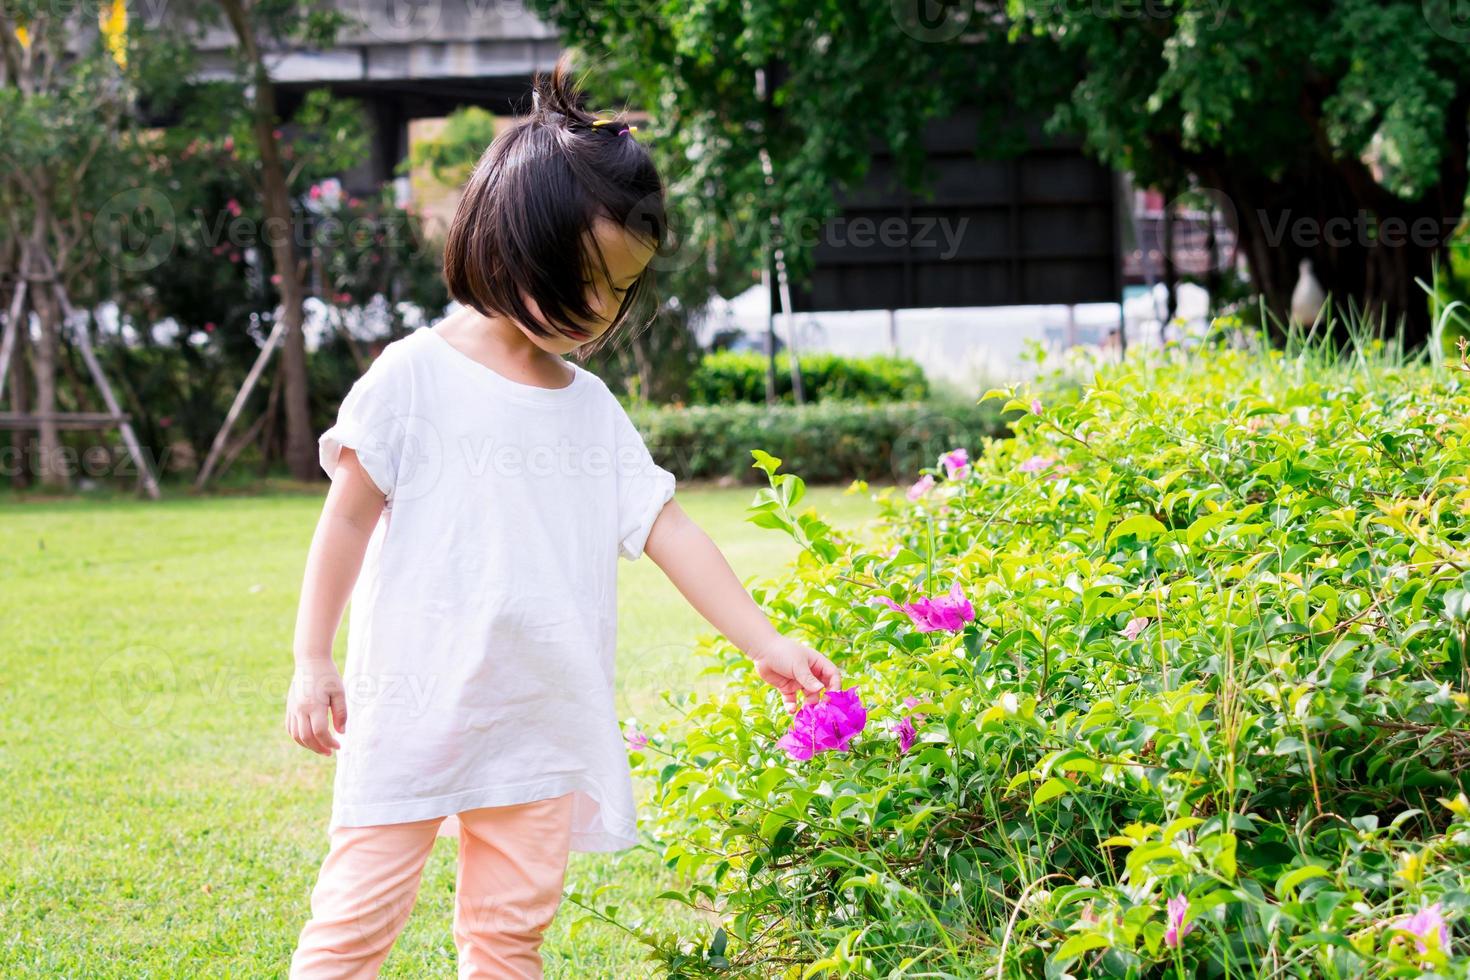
<point x="827" y="671"/>
<point x="304" y="734"/>
<point x="339" y="710"/>
<point x="321" y="731"/>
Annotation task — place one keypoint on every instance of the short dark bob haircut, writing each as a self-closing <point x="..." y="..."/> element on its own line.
<point x="524" y="223"/>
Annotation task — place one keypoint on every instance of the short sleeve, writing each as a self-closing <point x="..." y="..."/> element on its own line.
<point x="643" y="488"/>
<point x="370" y="420"/>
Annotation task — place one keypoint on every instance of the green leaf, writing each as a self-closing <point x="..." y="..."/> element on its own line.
<point x="1075" y="946"/>
<point x="765" y="461"/>
<point x="1288" y="883"/>
<point x="1142" y="526"/>
<point x="1051" y="789"/>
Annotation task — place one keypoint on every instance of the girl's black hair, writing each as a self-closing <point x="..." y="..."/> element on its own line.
<point x="525" y="220"/>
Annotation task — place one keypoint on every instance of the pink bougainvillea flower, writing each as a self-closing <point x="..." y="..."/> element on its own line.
<point x="1135" y="627"/>
<point x="956" y="463"/>
<point x="635" y="739"/>
<point x="905" y="728"/>
<point x="906" y="734"/>
<point x="1036" y="406"/>
<point x="825" y="724"/>
<point x="1174" y="935"/>
<point x="921" y="486"/>
<point x="1035" y="464"/>
<point x="1425" y="923"/>
<point x="948" y="612"/>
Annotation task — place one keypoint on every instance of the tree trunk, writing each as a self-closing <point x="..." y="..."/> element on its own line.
<point x="1367" y="244"/>
<point x="22" y="441"/>
<point x="1366" y="256"/>
<point x="301" y="448"/>
<point x="53" y="469"/>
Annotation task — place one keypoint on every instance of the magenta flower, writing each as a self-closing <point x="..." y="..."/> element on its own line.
<point x="905" y="729"/>
<point x="1035" y="464"/>
<point x="828" y="723"/>
<point x="635" y="740"/>
<point x="922" y="486"/>
<point x="1135" y="627"/>
<point x="906" y="734"/>
<point x="1425" y="923"/>
<point x="1036" y="406"/>
<point x="949" y="612"/>
<point x="1174" y="935"/>
<point x="956" y="463"/>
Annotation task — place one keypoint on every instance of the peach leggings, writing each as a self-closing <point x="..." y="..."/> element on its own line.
<point x="512" y="866"/>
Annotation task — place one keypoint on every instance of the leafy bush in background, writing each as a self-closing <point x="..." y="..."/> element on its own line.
<point x="1208" y="719"/>
<point x="829" y="442"/>
<point x="726" y="377"/>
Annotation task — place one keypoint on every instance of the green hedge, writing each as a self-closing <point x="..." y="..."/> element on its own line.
<point x="727" y="377"/>
<point x="1196" y="707"/>
<point x="829" y="442"/>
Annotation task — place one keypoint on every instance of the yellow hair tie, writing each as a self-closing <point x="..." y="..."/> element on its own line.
<point x="609" y="122"/>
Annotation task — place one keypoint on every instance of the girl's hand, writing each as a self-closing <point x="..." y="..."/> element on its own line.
<point x="792" y="667"/>
<point x="316" y="690"/>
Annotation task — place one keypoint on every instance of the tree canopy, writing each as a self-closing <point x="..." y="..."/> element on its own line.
<point x="1332" y="131"/>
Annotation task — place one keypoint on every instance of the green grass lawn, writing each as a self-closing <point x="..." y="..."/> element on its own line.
<point x="158" y="820"/>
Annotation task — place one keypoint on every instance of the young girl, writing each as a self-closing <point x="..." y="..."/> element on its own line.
<point x="483" y="488"/>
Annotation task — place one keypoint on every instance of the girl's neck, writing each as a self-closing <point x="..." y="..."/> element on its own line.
<point x="498" y="343"/>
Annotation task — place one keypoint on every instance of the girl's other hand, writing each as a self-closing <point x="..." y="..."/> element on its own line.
<point x="791" y="668"/>
<point x="316" y="691"/>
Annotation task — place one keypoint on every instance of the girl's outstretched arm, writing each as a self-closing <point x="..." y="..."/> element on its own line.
<point x="317" y="698"/>
<point x="698" y="570"/>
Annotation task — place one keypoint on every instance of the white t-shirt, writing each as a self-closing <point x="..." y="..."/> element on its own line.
<point x="482" y="628"/>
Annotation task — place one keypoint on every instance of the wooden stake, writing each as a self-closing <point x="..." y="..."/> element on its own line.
<point x="84" y="341"/>
<point x="277" y="332"/>
<point x="7" y="342"/>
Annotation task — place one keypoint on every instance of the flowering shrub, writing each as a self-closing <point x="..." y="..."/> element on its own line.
<point x="1208" y="719"/>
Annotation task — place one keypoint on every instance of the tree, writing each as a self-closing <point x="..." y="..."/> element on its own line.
<point x="1334" y="131"/>
<point x="63" y="92"/>
<point x="256" y="25"/>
